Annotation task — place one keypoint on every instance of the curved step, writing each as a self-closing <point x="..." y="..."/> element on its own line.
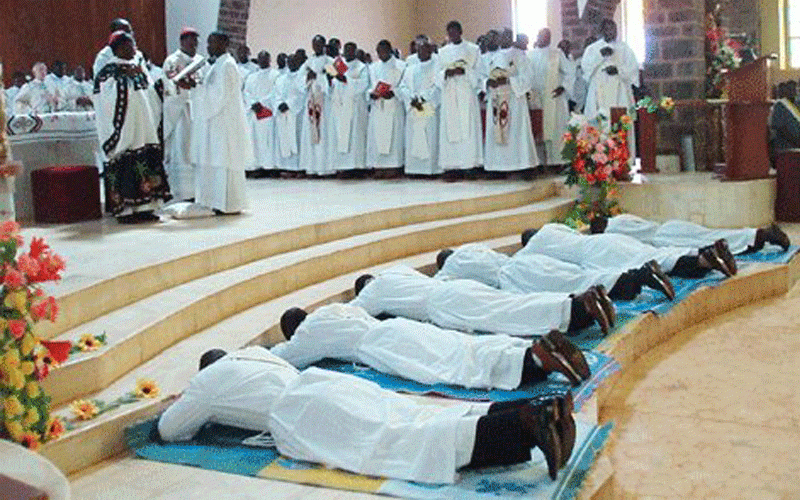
<point x="92" y="301"/>
<point x="229" y="293"/>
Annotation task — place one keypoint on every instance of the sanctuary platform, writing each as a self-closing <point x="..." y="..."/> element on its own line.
<point x="165" y="293"/>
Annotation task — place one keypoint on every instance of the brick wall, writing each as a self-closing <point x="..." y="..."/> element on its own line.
<point x="575" y="28"/>
<point x="232" y="20"/>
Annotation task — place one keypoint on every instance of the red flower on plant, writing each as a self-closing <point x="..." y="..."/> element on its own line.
<point x="13" y="278"/>
<point x="17" y="328"/>
<point x="30" y="441"/>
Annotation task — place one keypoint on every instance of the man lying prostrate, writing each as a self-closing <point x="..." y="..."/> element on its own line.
<point x="423" y="352"/>
<point x="688" y="234"/>
<point x="602" y="251"/>
<point x="541" y="273"/>
<point x="342" y="421"/>
<point x="470" y="306"/>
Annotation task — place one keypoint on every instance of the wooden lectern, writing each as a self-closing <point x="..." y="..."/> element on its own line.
<point x="746" y="116"/>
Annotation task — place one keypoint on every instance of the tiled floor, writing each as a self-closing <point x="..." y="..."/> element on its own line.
<point x="715" y="411"/>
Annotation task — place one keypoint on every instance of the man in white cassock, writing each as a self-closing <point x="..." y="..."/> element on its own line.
<point x="423" y="352"/>
<point x="17" y="82"/>
<point x="470" y="306"/>
<point x="288" y="100"/>
<point x="541" y="273"/>
<point x="37" y="96"/>
<point x="258" y="92"/>
<point x="245" y="65"/>
<point x="347" y="147"/>
<point x="602" y="251"/>
<point x="509" y="142"/>
<point x="386" y="115"/>
<point x="460" y="144"/>
<point x="553" y="81"/>
<point x="688" y="234"/>
<point x="341" y="420"/>
<point x="221" y="143"/>
<point x="611" y="69"/>
<point x="314" y="133"/>
<point x="59" y="79"/>
<point x="177" y="125"/>
<point x="422" y="97"/>
<point x="76" y="94"/>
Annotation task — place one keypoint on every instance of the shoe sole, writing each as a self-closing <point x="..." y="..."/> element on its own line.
<point x="662" y="280"/>
<point x="724" y="252"/>
<point x="606" y="304"/>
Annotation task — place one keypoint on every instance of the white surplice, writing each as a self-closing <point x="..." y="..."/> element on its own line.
<point x="177" y="127"/>
<point x="287" y="124"/>
<point x="347" y="147"/>
<point x="601" y="251"/>
<point x="37" y="97"/>
<point x="507" y="106"/>
<point x="417" y="351"/>
<point x="313" y="145"/>
<point x="606" y="91"/>
<point x="10" y="94"/>
<point x="527" y="273"/>
<point x="221" y="143"/>
<point x="258" y="88"/>
<point x="386" y="117"/>
<point x="460" y="142"/>
<point x="326" y="417"/>
<point x="679" y="233"/>
<point x="551" y="69"/>
<point x="422" y="127"/>
<point x="464" y="305"/>
<point x="71" y="92"/>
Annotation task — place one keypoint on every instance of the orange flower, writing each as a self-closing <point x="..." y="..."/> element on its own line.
<point x="55" y="428"/>
<point x="83" y="409"/>
<point x="146" y="389"/>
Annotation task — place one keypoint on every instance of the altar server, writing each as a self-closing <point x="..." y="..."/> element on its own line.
<point x="600" y="251"/>
<point x="470" y="306"/>
<point x="386" y="116"/>
<point x="341" y="420"/>
<point x="245" y="65"/>
<point x="127" y="119"/>
<point x="541" y="273"/>
<point x="460" y="144"/>
<point x="688" y="234"/>
<point x="288" y="102"/>
<point x="422" y="97"/>
<point x="221" y="143"/>
<point x="509" y="138"/>
<point x="258" y="89"/>
<point x="177" y="125"/>
<point x="77" y="92"/>
<point x="314" y="133"/>
<point x="553" y="81"/>
<point x="17" y="82"/>
<point x="423" y="352"/>
<point x="347" y="147"/>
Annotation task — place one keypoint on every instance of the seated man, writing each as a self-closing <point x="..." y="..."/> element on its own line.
<point x="470" y="306"/>
<point x="784" y="119"/>
<point x="688" y="234"/>
<point x="341" y="420"/>
<point x="424" y="352"/>
<point x="600" y="251"/>
<point x="541" y="273"/>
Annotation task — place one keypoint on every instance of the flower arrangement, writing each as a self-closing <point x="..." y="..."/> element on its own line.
<point x="662" y="108"/>
<point x="598" y="155"/>
<point x="26" y="359"/>
<point x="723" y="53"/>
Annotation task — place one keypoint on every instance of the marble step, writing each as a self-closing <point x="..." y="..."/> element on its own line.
<point x="93" y="287"/>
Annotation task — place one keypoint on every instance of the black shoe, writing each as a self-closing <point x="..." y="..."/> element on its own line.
<point x="591" y="302"/>
<point x="565" y="423"/>
<point x="775" y="235"/>
<point x="655" y="278"/>
<point x="714" y="261"/>
<point x="540" y="421"/>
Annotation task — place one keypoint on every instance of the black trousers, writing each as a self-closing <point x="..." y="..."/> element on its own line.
<point x="688" y="266"/>
<point x="500" y="437"/>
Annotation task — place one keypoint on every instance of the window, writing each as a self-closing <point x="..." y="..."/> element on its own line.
<point x="530" y="16"/>
<point x="632" y="22"/>
<point x="793" y="32"/>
